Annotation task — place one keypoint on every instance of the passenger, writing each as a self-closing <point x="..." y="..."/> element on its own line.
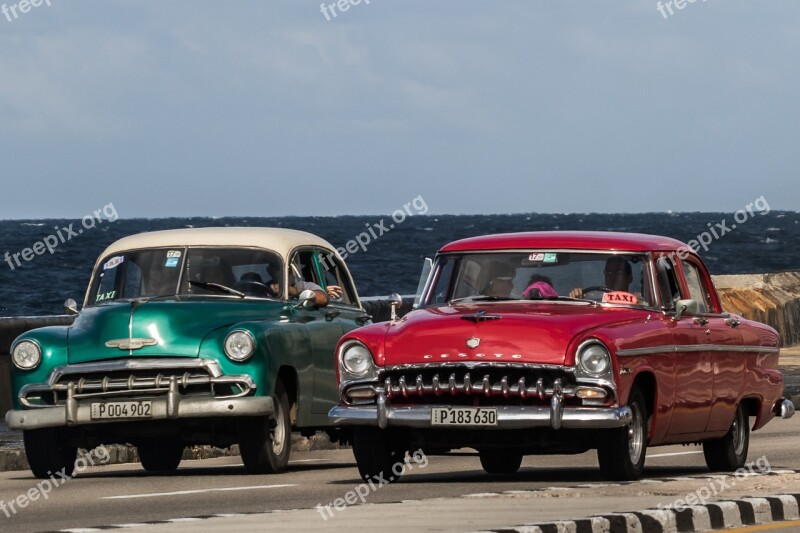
<point x="539" y="287"/>
<point x="294" y="292"/>
<point x="618" y="276"/>
<point x="501" y="279"/>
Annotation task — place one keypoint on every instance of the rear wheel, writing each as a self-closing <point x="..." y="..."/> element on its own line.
<point x="266" y="442"/>
<point x="376" y="455"/>
<point x="161" y="455"/>
<point x="730" y="452"/>
<point x="47" y="452"/>
<point x="621" y="451"/>
<point x="501" y="461"/>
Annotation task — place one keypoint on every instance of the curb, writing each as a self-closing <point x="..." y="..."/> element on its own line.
<point x="711" y="516"/>
<point x="15" y="460"/>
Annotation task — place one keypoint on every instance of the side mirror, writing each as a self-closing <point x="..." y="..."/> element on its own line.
<point x="395" y="301"/>
<point x="71" y="307"/>
<point x="685" y="307"/>
<point x="307" y="299"/>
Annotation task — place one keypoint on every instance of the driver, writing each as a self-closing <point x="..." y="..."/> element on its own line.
<point x="294" y="292"/>
<point x="618" y="276"/>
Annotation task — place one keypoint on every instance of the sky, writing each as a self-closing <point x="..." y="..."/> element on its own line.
<point x="267" y="108"/>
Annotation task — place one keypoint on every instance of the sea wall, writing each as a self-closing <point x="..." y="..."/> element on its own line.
<point x="770" y="298"/>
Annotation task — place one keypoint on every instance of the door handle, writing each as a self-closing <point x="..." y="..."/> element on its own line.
<point x="700" y="320"/>
<point x="732" y="322"/>
<point x="330" y="315"/>
<point x="361" y="320"/>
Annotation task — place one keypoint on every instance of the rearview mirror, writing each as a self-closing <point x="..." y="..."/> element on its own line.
<point x="685" y="307"/>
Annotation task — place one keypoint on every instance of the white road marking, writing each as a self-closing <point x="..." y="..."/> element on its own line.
<point x="671" y="454"/>
<point x="309" y="461"/>
<point x="195" y="491"/>
<point x="129" y="526"/>
<point x="81" y="530"/>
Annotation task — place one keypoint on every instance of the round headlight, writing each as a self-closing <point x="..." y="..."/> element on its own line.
<point x="239" y="345"/>
<point x="27" y="355"/>
<point x="357" y="360"/>
<point x="595" y="359"/>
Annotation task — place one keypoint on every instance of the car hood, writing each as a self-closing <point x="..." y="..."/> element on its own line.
<point x="513" y="333"/>
<point x="157" y="328"/>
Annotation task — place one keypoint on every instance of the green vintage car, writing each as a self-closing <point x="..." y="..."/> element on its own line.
<point x="215" y="336"/>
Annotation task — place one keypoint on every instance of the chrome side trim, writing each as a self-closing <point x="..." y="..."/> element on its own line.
<point x="164" y="408"/>
<point x="687" y="348"/>
<point x="383" y="415"/>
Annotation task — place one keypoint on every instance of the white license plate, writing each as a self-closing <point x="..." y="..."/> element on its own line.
<point x="112" y="410"/>
<point x="464" y="416"/>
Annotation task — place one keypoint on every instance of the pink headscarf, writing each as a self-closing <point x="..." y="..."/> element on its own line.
<point x="544" y="288"/>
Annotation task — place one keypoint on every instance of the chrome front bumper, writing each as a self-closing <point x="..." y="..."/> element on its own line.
<point x="555" y="416"/>
<point x="170" y="407"/>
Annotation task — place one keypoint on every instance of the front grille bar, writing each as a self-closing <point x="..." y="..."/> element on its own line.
<point x="483" y="386"/>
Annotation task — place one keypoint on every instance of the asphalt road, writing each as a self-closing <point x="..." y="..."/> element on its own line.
<point x="449" y="493"/>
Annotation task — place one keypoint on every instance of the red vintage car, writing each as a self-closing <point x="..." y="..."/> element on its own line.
<point x="560" y="342"/>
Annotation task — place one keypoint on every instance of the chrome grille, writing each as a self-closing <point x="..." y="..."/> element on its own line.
<point x="486" y="381"/>
<point x="136" y="379"/>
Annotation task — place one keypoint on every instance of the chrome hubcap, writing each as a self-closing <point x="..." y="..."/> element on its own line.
<point x="737" y="432"/>
<point x="279" y="431"/>
<point x="635" y="435"/>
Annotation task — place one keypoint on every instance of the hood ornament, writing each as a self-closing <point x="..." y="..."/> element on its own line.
<point x="473" y="342"/>
<point x="130" y="344"/>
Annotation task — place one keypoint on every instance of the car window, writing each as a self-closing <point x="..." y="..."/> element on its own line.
<point x="697" y="291"/>
<point x="334" y="273"/>
<point x="668" y="283"/>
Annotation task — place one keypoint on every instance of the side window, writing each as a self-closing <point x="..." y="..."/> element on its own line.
<point x="333" y="272"/>
<point x="697" y="291"/>
<point x="668" y="286"/>
<point x="438" y="293"/>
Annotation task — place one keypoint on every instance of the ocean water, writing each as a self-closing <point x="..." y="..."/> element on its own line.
<point x="392" y="261"/>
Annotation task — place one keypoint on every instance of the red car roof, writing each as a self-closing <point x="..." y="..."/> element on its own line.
<point x="566" y="240"/>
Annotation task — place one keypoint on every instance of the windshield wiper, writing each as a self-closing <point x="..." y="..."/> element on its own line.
<point x="216" y="286"/>
<point x="482" y="298"/>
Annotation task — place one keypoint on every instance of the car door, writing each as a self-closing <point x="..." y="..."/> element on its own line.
<point x="341" y="315"/>
<point x="723" y="339"/>
<point x="693" y="358"/>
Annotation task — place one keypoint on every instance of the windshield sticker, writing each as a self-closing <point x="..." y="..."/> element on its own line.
<point x="620" y="297"/>
<point x="102" y="296"/>
<point x="550" y="258"/>
<point x="536" y="257"/>
<point x="172" y="262"/>
<point x="174" y="253"/>
<point x="113" y="262"/>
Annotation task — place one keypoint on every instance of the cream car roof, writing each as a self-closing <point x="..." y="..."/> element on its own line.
<point x="280" y="240"/>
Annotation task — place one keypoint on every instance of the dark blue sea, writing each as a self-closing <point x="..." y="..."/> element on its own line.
<point x="392" y="262"/>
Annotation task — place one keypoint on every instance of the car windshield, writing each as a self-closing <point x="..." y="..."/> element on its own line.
<point x="155" y="272"/>
<point x="612" y="278"/>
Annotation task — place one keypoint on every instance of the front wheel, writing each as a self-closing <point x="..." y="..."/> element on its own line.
<point x="266" y="442"/>
<point x="730" y="452"/>
<point x="376" y="455"/>
<point x="621" y="451"/>
<point x="161" y="455"/>
<point x="47" y="453"/>
<point x="501" y="462"/>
